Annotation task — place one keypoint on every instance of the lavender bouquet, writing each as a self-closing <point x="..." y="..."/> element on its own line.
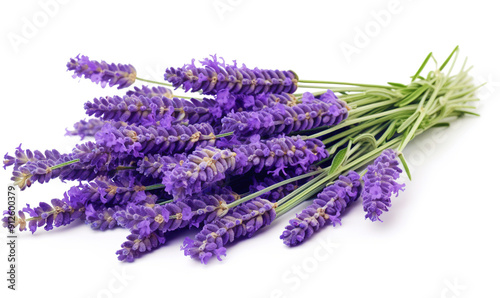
<point x="244" y="149"/>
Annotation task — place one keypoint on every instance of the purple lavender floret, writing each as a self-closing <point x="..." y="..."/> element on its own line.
<point x="136" y="246"/>
<point x="142" y="110"/>
<point x="206" y="208"/>
<point x="202" y="168"/>
<point x="326" y="209"/>
<point x="242" y="221"/>
<point x="21" y="157"/>
<point x="140" y="140"/>
<point x="151" y="92"/>
<point x="380" y="184"/>
<point x="102" y="73"/>
<point x="156" y="165"/>
<point x="327" y="97"/>
<point x="101" y="219"/>
<point x="146" y="219"/>
<point x="118" y="191"/>
<point x="285" y="119"/>
<point x="215" y="75"/>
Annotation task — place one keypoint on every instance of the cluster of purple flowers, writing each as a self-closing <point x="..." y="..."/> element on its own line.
<point x="159" y="163"/>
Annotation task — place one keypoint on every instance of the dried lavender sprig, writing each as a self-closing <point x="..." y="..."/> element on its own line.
<point x="140" y="140"/>
<point x="326" y="209"/>
<point x="242" y="221"/>
<point x="285" y="119"/>
<point x="102" y="73"/>
<point x="142" y="110"/>
<point x="380" y="184"/>
<point x="214" y="76"/>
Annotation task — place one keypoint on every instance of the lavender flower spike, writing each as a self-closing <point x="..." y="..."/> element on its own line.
<point x="142" y="110"/>
<point x="101" y="219"/>
<point x="285" y="119"/>
<point x="327" y="208"/>
<point x="136" y="246"/>
<point x="380" y="184"/>
<point x="141" y="140"/>
<point x="57" y="213"/>
<point x="112" y="74"/>
<point x="242" y="221"/>
<point x="202" y="168"/>
<point x="215" y="75"/>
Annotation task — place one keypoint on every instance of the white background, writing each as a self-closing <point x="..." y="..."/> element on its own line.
<point x="440" y="239"/>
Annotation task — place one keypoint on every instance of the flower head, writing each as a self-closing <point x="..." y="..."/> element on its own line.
<point x="380" y="184"/>
<point x="326" y="209"/>
<point x="103" y="73"/>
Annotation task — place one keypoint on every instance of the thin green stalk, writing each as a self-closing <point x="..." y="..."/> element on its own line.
<point x="64" y="164"/>
<point x="153" y="82"/>
<point x="263" y="191"/>
<point x="361" y="119"/>
<point x="344" y="83"/>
